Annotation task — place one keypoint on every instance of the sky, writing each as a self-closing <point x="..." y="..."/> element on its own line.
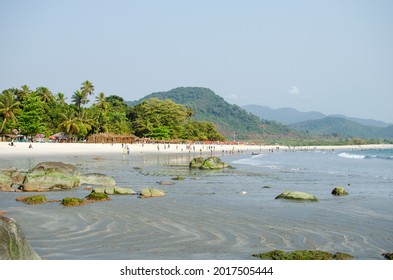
<point x="332" y="56"/>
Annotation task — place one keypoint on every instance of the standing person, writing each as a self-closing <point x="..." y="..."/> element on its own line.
<point x="128" y="150"/>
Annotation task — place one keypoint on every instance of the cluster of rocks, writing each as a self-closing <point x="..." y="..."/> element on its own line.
<point x="211" y="163"/>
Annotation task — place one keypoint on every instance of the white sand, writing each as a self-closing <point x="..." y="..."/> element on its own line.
<point x="21" y="149"/>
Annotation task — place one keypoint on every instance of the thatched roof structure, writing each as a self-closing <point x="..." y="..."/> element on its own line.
<point x="112" y="138"/>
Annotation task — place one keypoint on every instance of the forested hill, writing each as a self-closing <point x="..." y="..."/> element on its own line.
<point x="343" y="127"/>
<point x="231" y="120"/>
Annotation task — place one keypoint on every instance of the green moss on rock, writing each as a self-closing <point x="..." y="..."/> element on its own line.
<point x="33" y="199"/>
<point x="302" y="255"/>
<point x="178" y="178"/>
<point x="72" y="201"/>
<point x="94" y="196"/>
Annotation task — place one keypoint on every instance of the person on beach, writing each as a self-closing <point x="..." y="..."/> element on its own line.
<point x="30" y="146"/>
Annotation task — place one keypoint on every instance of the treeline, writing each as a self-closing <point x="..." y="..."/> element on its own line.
<point x="30" y="112"/>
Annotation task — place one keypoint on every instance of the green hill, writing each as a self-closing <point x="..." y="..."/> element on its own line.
<point x="231" y="121"/>
<point x="343" y="127"/>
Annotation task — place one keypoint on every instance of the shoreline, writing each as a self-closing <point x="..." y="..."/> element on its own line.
<point x="21" y="149"/>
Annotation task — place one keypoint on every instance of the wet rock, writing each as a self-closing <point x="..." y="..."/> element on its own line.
<point x="48" y="176"/>
<point x="339" y="191"/>
<point x="388" y="256"/>
<point x="13" y="244"/>
<point x="297" y="196"/>
<point x="196" y="162"/>
<point x="164" y="183"/>
<point x="213" y="163"/>
<point x="98" y="179"/>
<point x="32" y="199"/>
<point x="113" y="190"/>
<point x="93" y="196"/>
<point x="149" y="192"/>
<point x="5" y="182"/>
<point x="302" y="255"/>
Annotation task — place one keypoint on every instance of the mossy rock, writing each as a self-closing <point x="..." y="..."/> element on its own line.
<point x="388" y="256"/>
<point x="73" y="201"/>
<point x="196" y="162"/>
<point x="214" y="163"/>
<point x="178" y="178"/>
<point x="113" y="190"/>
<point x="94" y="196"/>
<point x="301" y="196"/>
<point x="149" y="192"/>
<point x="302" y="255"/>
<point x="339" y="191"/>
<point x="33" y="199"/>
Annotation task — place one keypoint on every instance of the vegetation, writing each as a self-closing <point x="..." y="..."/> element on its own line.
<point x="231" y="121"/>
<point x="72" y="201"/>
<point x="302" y="255"/>
<point x="32" y="112"/>
<point x="94" y="196"/>
<point x="33" y="199"/>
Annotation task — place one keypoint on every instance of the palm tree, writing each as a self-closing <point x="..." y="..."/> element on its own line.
<point x="60" y="97"/>
<point x="87" y="88"/>
<point x="102" y="103"/>
<point x="45" y="94"/>
<point x="23" y="93"/>
<point x="79" y="99"/>
<point x="70" y="123"/>
<point x="9" y="106"/>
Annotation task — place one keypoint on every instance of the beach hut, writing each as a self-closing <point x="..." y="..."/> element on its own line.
<point x="112" y="138"/>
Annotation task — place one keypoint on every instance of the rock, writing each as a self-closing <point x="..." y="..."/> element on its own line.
<point x="178" y="178"/>
<point x="339" y="191"/>
<point x="213" y="163"/>
<point x="48" y="176"/>
<point x="297" y="196"/>
<point x="73" y="201"/>
<point x="388" y="256"/>
<point x="114" y="190"/>
<point x="13" y="244"/>
<point x="148" y="192"/>
<point x="165" y="183"/>
<point x="302" y="255"/>
<point x="98" y="179"/>
<point x="5" y="182"/>
<point x="93" y="196"/>
<point x="196" y="162"/>
<point x="32" y="199"/>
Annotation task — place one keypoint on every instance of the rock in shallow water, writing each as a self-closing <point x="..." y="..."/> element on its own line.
<point x="297" y="196"/>
<point x="48" y="176"/>
<point x="339" y="191"/>
<point x="13" y="244"/>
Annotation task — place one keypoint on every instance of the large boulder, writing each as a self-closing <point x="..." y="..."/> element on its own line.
<point x="213" y="163"/>
<point x="48" y="176"/>
<point x="297" y="196"/>
<point x="196" y="162"/>
<point x="13" y="244"/>
<point x="98" y="179"/>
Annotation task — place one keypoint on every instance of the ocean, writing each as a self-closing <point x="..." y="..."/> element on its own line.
<point x="226" y="214"/>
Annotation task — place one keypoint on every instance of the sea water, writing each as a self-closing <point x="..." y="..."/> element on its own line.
<point x="225" y="214"/>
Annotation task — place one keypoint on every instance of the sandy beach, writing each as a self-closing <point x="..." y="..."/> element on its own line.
<point x="21" y="149"/>
<point x="226" y="214"/>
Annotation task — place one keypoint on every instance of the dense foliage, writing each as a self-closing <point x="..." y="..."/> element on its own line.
<point x="31" y="112"/>
<point x="231" y="121"/>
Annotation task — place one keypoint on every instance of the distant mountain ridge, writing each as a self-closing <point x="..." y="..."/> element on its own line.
<point x="232" y="121"/>
<point x="343" y="127"/>
<point x="291" y="116"/>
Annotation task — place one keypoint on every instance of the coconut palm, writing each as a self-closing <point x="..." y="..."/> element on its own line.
<point x="23" y="93"/>
<point x="45" y="94"/>
<point x="79" y="99"/>
<point x="87" y="88"/>
<point x="60" y="97"/>
<point x="9" y="106"/>
<point x="70" y="123"/>
<point x="102" y="103"/>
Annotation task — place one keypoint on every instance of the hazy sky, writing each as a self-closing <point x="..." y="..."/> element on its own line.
<point x="333" y="56"/>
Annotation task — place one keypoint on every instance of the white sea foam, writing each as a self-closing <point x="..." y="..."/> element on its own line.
<point x="351" y="156"/>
